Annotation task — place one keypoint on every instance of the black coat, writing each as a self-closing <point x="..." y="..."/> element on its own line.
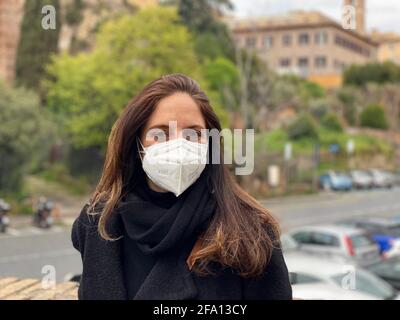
<point x="170" y="279"/>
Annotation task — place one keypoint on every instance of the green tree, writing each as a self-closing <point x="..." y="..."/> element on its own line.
<point x="303" y="127"/>
<point x="212" y="37"/>
<point x="25" y="135"/>
<point x="331" y="122"/>
<point x="223" y="77"/>
<point x="199" y="15"/>
<point x="360" y="75"/>
<point x="88" y="91"/>
<point x="373" y="116"/>
<point x="36" y="44"/>
<point x="349" y="96"/>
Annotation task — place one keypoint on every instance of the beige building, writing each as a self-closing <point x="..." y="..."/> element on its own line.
<point x="308" y="44"/>
<point x="10" y="19"/>
<point x="389" y="46"/>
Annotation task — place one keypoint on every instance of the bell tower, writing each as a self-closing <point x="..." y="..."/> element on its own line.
<point x="360" y="13"/>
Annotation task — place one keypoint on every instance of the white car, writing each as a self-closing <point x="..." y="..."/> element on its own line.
<point x="306" y="269"/>
<point x="381" y="179"/>
<point x="361" y="179"/>
<point x="337" y="240"/>
<point x="394" y="251"/>
<point x="326" y="291"/>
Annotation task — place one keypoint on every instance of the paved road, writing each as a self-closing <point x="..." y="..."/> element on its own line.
<point x="326" y="208"/>
<point x="26" y="250"/>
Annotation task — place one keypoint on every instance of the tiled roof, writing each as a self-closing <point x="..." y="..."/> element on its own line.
<point x="382" y="37"/>
<point x="291" y="20"/>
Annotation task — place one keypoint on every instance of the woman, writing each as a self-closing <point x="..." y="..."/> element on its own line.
<point x="167" y="221"/>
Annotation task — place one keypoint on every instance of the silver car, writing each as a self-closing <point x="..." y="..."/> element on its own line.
<point x="381" y="179"/>
<point x="335" y="240"/>
<point x="361" y="179"/>
<point x="346" y="280"/>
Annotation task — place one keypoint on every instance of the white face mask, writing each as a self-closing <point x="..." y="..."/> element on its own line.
<point x="176" y="164"/>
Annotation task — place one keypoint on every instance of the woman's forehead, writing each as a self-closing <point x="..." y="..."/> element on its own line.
<point x="178" y="109"/>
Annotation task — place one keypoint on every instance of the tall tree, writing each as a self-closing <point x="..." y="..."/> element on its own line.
<point x="36" y="43"/>
<point x="212" y="37"/>
<point x="199" y="15"/>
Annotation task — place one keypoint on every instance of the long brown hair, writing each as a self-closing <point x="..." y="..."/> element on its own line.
<point x="241" y="233"/>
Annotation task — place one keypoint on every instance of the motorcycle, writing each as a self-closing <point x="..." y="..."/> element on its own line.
<point x="4" y="219"/>
<point x="43" y="218"/>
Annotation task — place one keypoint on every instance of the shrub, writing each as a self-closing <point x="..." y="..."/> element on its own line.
<point x="331" y="122"/>
<point x="303" y="127"/>
<point x="373" y="116"/>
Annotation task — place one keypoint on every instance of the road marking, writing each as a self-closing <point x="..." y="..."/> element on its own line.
<point x="13" y="232"/>
<point x="31" y="231"/>
<point x="37" y="255"/>
<point x="34" y="230"/>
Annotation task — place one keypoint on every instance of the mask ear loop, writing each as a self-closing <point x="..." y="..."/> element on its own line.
<point x="140" y="148"/>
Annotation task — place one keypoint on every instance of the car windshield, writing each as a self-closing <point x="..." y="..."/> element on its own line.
<point x="389" y="269"/>
<point x="366" y="282"/>
<point x="360" y="240"/>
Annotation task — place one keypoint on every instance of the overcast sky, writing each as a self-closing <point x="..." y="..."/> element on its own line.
<point x="381" y="14"/>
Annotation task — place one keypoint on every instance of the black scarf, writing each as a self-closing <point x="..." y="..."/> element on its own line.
<point x="156" y="229"/>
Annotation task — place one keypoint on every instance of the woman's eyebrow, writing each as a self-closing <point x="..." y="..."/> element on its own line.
<point x="197" y="126"/>
<point x="158" y="126"/>
<point x="164" y="126"/>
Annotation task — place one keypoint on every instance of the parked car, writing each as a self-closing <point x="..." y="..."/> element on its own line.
<point x="388" y="270"/>
<point x="397" y="178"/>
<point x="384" y="231"/>
<point x="381" y="179"/>
<point x="361" y="179"/>
<point x="307" y="270"/>
<point x="335" y="240"/>
<point x="326" y="291"/>
<point x="335" y="181"/>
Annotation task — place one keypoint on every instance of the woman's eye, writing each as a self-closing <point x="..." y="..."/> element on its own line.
<point x="193" y="135"/>
<point x="161" y="137"/>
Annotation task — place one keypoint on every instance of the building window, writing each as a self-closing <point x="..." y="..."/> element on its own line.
<point x="304" y="39"/>
<point x="268" y="41"/>
<point x="320" y="62"/>
<point x="352" y="46"/>
<point x="321" y="37"/>
<point x="285" y="62"/>
<point x="303" y="62"/>
<point x="251" y="42"/>
<point x="287" y="40"/>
